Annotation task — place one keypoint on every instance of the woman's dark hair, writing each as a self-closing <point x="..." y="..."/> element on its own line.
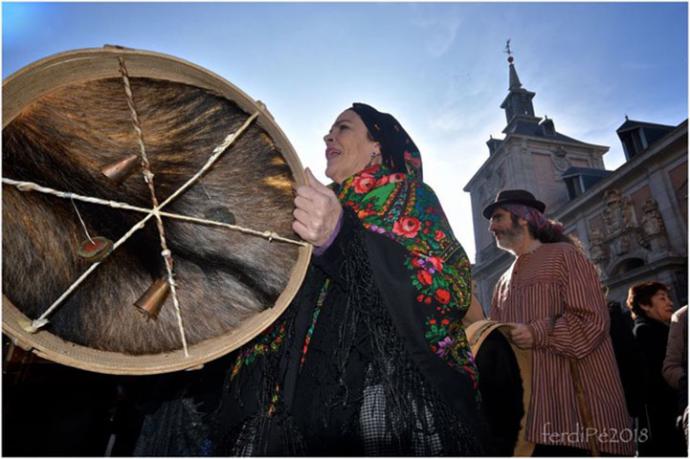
<point x="642" y="293"/>
<point x="391" y="136"/>
<point x="391" y="161"/>
<point x="388" y="160"/>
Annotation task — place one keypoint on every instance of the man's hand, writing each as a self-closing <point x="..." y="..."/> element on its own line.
<point x="317" y="211"/>
<point x="521" y="336"/>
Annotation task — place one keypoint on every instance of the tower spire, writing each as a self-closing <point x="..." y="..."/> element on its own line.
<point x="518" y="102"/>
<point x="514" y="81"/>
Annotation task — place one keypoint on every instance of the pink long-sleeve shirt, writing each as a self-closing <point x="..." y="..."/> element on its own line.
<point x="555" y="290"/>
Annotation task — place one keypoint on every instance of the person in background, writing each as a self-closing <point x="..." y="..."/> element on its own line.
<point x="652" y="308"/>
<point x="552" y="297"/>
<point x="624" y="350"/>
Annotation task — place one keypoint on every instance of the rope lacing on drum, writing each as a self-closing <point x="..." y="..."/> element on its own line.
<point x="31" y="186"/>
<point x="148" y="178"/>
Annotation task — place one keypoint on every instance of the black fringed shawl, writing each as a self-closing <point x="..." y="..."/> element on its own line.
<point x="346" y="370"/>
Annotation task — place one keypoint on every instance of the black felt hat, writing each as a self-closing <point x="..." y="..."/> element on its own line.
<point x="513" y="197"/>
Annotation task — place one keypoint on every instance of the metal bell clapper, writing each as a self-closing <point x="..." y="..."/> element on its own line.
<point x="151" y="302"/>
<point x="120" y="170"/>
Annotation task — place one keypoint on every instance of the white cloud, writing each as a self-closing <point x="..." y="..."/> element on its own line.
<point x="439" y="30"/>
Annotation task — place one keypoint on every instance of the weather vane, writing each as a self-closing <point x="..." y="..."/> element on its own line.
<point x="508" y="51"/>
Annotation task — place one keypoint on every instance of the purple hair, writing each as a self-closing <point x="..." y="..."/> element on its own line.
<point x="539" y="226"/>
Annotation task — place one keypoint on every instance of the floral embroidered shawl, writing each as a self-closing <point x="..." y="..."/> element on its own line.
<point x="403" y="208"/>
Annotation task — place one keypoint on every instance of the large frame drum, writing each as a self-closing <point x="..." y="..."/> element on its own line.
<point x="67" y="121"/>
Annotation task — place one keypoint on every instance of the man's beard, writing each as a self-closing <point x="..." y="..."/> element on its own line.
<point x="510" y="238"/>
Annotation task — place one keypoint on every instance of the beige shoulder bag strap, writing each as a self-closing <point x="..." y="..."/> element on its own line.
<point x="583" y="406"/>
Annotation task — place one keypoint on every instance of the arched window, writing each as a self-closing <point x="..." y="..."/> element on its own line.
<point x="628" y="265"/>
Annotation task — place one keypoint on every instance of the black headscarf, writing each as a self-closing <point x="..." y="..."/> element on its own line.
<point x="386" y="130"/>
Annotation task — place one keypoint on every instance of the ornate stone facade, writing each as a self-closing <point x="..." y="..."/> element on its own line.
<point x="627" y="235"/>
<point x="637" y="226"/>
<point x="654" y="236"/>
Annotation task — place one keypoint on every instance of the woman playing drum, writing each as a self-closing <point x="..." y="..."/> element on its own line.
<point x="371" y="358"/>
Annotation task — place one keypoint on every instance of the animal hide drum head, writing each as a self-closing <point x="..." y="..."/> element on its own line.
<point x="69" y="126"/>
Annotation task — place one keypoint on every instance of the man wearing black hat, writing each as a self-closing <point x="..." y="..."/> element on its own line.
<point x="552" y="296"/>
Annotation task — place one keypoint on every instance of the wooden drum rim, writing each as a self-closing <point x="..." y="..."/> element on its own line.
<point x="46" y="75"/>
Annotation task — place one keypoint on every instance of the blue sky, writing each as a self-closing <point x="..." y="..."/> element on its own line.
<point x="438" y="67"/>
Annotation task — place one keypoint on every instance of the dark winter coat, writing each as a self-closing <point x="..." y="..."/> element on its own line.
<point x="657" y="435"/>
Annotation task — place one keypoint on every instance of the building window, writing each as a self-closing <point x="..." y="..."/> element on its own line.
<point x="628" y="265"/>
<point x="574" y="187"/>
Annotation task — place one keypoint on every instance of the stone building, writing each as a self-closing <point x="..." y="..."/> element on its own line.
<point x="631" y="221"/>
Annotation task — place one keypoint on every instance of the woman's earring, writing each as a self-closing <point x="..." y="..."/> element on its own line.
<point x="372" y="158"/>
